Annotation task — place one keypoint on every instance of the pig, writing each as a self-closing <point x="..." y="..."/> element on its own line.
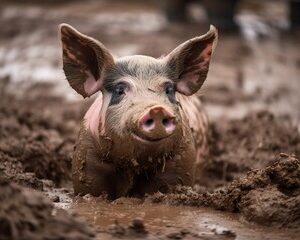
<point x="147" y="130"/>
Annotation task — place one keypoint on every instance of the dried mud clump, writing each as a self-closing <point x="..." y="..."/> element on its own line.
<point x="237" y="146"/>
<point x="270" y="196"/>
<point x="25" y="214"/>
<point x="36" y="137"/>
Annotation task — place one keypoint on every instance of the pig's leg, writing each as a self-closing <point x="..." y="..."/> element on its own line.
<point x="92" y="173"/>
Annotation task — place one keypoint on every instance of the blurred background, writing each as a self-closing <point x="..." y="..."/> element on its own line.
<point x="256" y="66"/>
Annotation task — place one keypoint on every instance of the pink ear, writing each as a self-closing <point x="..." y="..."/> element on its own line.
<point x="190" y="61"/>
<point x="84" y="60"/>
<point x="92" y="118"/>
<point x="91" y="84"/>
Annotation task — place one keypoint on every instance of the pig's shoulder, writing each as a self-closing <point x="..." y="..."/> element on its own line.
<point x="197" y="119"/>
<point x="194" y="111"/>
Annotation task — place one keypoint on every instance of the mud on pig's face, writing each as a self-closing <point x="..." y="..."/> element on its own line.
<point x="138" y="101"/>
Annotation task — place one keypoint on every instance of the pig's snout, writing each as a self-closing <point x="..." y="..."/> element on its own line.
<point x="157" y="123"/>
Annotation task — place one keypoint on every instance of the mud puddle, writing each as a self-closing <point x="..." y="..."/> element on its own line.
<point x="175" y="222"/>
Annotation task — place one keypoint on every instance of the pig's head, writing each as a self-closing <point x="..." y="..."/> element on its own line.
<point x="138" y="105"/>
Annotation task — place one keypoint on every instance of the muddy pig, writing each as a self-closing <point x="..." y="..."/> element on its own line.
<point x="146" y="130"/>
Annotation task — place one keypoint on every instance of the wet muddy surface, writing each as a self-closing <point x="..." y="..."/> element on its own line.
<point x="249" y="188"/>
<point x="166" y="220"/>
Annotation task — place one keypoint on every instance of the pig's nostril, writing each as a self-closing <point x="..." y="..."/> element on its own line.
<point x="149" y="122"/>
<point x="167" y="122"/>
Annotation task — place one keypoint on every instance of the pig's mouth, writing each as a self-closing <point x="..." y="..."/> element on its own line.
<point x="148" y="140"/>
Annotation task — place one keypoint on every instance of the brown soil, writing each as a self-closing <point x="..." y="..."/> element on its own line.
<point x="270" y="196"/>
<point x="36" y="137"/>
<point x="26" y="214"/>
<point x="254" y="118"/>
<point x="253" y="142"/>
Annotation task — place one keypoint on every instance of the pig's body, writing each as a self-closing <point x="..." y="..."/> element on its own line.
<point x="95" y="172"/>
<point x="147" y="130"/>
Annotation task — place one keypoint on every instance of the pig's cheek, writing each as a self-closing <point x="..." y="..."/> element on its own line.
<point x="179" y="123"/>
<point x="131" y="123"/>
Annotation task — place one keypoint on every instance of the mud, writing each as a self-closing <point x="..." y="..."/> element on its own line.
<point x="251" y="96"/>
<point x="164" y="221"/>
<point x="269" y="196"/>
<point x="26" y="214"/>
<point x="252" y="142"/>
<point x="36" y="137"/>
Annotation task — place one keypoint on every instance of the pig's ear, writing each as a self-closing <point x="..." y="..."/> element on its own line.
<point x="189" y="62"/>
<point x="84" y="60"/>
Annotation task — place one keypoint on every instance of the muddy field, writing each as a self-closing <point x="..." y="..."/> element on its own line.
<point x="250" y="185"/>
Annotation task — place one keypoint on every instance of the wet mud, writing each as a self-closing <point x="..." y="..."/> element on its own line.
<point x="249" y="187"/>
<point x="166" y="221"/>
<point x="268" y="196"/>
<point x="37" y="138"/>
<point x="26" y="214"/>
<point x="253" y="142"/>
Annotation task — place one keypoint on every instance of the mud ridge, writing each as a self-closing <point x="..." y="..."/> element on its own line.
<point x="270" y="196"/>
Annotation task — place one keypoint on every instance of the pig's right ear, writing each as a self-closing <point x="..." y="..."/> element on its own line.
<point x="189" y="62"/>
<point x="84" y="60"/>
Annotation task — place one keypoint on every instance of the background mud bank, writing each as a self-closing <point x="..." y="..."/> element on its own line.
<point x="251" y="96"/>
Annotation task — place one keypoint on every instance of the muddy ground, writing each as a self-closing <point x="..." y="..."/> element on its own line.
<point x="250" y="185"/>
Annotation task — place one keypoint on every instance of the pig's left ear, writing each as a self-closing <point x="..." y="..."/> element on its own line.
<point x="84" y="60"/>
<point x="189" y="62"/>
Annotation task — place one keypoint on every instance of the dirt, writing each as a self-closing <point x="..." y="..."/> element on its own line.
<point x="253" y="142"/>
<point x="249" y="188"/>
<point x="36" y="137"/>
<point x="26" y="214"/>
<point x="269" y="196"/>
<point x="163" y="220"/>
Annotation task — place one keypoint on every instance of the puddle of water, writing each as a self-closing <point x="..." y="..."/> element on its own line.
<point x="160" y="218"/>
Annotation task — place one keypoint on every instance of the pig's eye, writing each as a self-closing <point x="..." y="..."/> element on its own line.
<point x="120" y="89"/>
<point x="170" y="91"/>
<point x="118" y="92"/>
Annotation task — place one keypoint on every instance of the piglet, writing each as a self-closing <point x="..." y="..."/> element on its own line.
<point x="147" y="130"/>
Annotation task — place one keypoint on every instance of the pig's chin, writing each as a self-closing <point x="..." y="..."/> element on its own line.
<point x="146" y="140"/>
